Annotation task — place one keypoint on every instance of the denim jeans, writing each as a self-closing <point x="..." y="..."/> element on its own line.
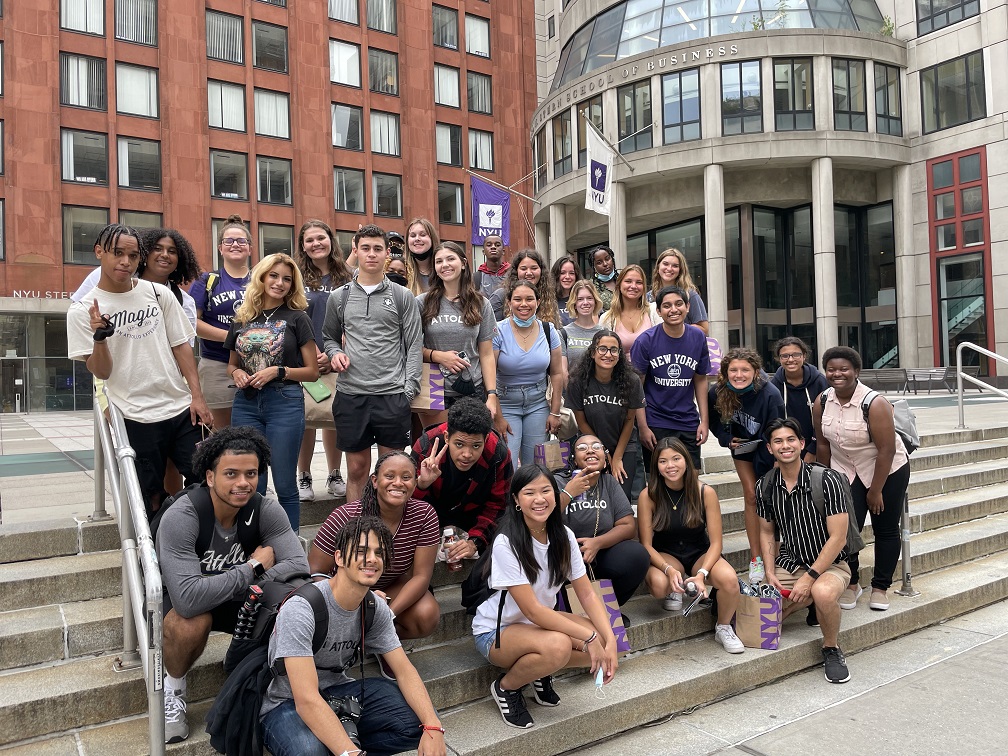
<point x="277" y="411"/>
<point x="387" y="724"/>
<point x="526" y="410"/>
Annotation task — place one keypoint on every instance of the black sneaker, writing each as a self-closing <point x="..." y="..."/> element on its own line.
<point x="812" y="620"/>
<point x="543" y="693"/>
<point x="512" y="705"/>
<point x="836" y="665"/>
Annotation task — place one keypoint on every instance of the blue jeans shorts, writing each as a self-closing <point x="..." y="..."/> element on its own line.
<point x="484" y="642"/>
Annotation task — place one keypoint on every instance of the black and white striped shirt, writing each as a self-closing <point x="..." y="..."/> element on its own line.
<point x="803" y="531"/>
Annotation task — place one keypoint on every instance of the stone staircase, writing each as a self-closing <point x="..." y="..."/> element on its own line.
<point x="61" y="628"/>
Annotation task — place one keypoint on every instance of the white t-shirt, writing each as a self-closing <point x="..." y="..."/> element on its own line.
<point x="506" y="571"/>
<point x="146" y="383"/>
<point x="188" y="303"/>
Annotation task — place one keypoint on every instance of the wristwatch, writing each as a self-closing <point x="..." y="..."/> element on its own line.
<point x="814" y="573"/>
<point x="281" y="373"/>
<point x="257" y="568"/>
<point x="703" y="572"/>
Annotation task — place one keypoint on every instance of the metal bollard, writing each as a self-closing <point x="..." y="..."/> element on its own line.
<point x="907" y="588"/>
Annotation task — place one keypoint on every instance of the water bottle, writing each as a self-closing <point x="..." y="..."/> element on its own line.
<point x="447" y="541"/>
<point x="580" y="497"/>
<point x="247" y="614"/>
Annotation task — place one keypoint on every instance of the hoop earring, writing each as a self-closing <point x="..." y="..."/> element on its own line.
<point x="518" y="507"/>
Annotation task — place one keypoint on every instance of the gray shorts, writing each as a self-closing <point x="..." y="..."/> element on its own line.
<point x="214" y="380"/>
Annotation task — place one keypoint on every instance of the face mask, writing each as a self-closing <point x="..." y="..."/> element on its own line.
<point x="523" y="323"/>
<point x="422" y="255"/>
<point x="741" y="391"/>
<point x="606" y="279"/>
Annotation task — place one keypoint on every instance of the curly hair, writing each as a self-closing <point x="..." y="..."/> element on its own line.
<point x="255" y="291"/>
<point x="348" y="538"/>
<point x="412" y="266"/>
<point x="658" y="490"/>
<point x="470" y="416"/>
<point x="369" y="503"/>
<point x="684" y="281"/>
<point x="842" y="353"/>
<point x="469" y="299"/>
<point x="545" y="288"/>
<point x="339" y="273"/>
<point x="188" y="268"/>
<point x="623" y="376"/>
<point x="231" y="439"/>
<point x="728" y="402"/>
<point x="618" y="306"/>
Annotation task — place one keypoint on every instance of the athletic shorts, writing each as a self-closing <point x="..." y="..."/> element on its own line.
<point x="224" y="616"/>
<point x="365" y="419"/>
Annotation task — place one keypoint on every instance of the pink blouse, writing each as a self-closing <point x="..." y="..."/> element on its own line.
<point x="627" y="338"/>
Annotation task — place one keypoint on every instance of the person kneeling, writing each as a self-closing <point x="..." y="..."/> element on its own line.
<point x="811" y="562"/>
<point x="533" y="554"/>
<point x="298" y="714"/>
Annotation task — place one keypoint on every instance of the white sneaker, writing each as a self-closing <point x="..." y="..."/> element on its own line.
<point x="672" y="602"/>
<point x="305" y="490"/>
<point x="176" y="725"/>
<point x="335" y="484"/>
<point x="724" y="635"/>
<point x="757" y="572"/>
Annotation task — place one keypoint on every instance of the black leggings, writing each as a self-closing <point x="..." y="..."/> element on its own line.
<point x="625" y="563"/>
<point x="885" y="525"/>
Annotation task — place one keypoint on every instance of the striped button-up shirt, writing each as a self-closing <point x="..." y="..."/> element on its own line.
<point x="803" y="531"/>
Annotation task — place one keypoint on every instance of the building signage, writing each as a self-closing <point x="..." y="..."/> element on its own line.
<point x="36" y="294"/>
<point x="656" y="63"/>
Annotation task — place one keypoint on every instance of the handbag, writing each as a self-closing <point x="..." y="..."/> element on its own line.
<point x="758" y="621"/>
<point x="568" y="423"/>
<point x="318" y="402"/>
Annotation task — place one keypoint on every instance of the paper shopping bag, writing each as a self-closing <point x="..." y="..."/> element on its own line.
<point x="758" y="621"/>
<point x="431" y="396"/>
<point x="553" y="455"/>
<point x="604" y="590"/>
<point x="318" y="401"/>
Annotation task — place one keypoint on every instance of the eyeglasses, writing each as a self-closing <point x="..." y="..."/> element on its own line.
<point x="234" y="242"/>
<point x="613" y="350"/>
<point x="594" y="446"/>
<point x="789" y="357"/>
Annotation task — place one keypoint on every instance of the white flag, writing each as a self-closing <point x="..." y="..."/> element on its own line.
<point x="598" y="194"/>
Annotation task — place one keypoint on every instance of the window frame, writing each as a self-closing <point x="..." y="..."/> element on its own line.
<point x="375" y="175"/>
<point x="264" y="245"/>
<point x="262" y="26"/>
<point x="360" y="125"/>
<point x="793" y="115"/>
<point x="335" y="43"/>
<point x="352" y="4"/>
<point x="391" y="117"/>
<point x="953" y="14"/>
<point x="337" y="193"/>
<point x="849" y="119"/>
<point x="639" y="136"/>
<point x="453" y="129"/>
<point x="226" y="85"/>
<point x="100" y="4"/>
<point x="478" y="52"/>
<point x="891" y="75"/>
<point x="159" y="222"/>
<point x="256" y="92"/>
<point x="563" y="143"/>
<point x="289" y="199"/>
<point x="378" y="54"/>
<point x="74" y="179"/>
<point x="119" y="153"/>
<point x="745" y="114"/>
<point x="119" y="11"/>
<point x="441" y="67"/>
<point x="213" y="189"/>
<point x="120" y="65"/>
<point x="87" y="239"/>
<point x="681" y="124"/>
<point x="435" y="9"/>
<point x="232" y="19"/>
<point x="966" y="96"/>
<point x="394" y="16"/>
<point x="102" y="63"/>
<point x="475" y="135"/>
<point x="459" y="199"/>
<point x="595" y="103"/>
<point x="471" y="77"/>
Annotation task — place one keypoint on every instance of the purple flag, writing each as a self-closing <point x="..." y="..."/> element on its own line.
<point x="491" y="212"/>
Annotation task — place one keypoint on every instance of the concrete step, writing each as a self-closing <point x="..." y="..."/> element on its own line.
<point x="60" y="579"/>
<point x="49" y="538"/>
<point x="60" y="631"/>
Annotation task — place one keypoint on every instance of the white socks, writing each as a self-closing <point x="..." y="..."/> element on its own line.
<point x="178" y="684"/>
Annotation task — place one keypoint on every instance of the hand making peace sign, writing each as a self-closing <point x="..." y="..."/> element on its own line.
<point x="430" y="469"/>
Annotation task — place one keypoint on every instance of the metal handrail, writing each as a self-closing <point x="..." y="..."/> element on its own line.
<point x="960" y="375"/>
<point x="141" y="575"/>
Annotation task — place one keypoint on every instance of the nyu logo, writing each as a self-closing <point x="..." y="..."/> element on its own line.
<point x="599" y="173"/>
<point x="490" y="219"/>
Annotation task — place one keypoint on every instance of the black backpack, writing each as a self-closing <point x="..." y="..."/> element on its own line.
<point x="248" y="518"/>
<point x="476" y="589"/>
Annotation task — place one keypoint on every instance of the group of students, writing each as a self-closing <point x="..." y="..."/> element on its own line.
<point x="516" y="343"/>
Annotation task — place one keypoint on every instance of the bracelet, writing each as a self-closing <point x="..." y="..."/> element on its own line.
<point x="666" y="569"/>
<point x="555" y="414"/>
<point x="491" y="391"/>
<point x="432" y="728"/>
<point x="584" y="648"/>
<point x="564" y="490"/>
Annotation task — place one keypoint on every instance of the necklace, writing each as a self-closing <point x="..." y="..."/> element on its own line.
<point x="524" y="334"/>
<point x="269" y="315"/>
<point x="675" y="504"/>
<point x="537" y="532"/>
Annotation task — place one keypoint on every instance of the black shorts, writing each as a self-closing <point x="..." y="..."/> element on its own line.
<point x="224" y="616"/>
<point x="364" y="419"/>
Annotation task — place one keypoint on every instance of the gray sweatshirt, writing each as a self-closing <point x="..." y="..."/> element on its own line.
<point x="381" y="334"/>
<point x="198" y="583"/>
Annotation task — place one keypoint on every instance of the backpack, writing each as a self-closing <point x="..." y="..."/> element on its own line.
<point x="818" y="472"/>
<point x="476" y="589"/>
<point x="904" y="419"/>
<point x="248" y="518"/>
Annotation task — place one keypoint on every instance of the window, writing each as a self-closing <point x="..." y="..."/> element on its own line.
<point x="551" y="27"/>
<point x="448" y="143"/>
<point x="381" y="15"/>
<point x="481" y="150"/>
<point x="539" y="160"/>
<point x="82" y="81"/>
<point x="957" y="202"/>
<point x="741" y="98"/>
<point x="681" y="106"/>
<point x="226" y="105"/>
<point x="346" y="127"/>
<point x="849" y="109"/>
<point x="344" y="10"/>
<point x="349" y="190"/>
<point x="384" y="133"/>
<point x="1" y="148"/>
<point x="888" y="111"/>
<point x="86" y="16"/>
<point x="445" y="27"/>
<point x="136" y="90"/>
<point x="136" y="21"/>
<point x="387" y="191"/>
<point x="274" y="180"/>
<point x="224" y="39"/>
<point x="477" y="36"/>
<point x="446" y="86"/>
<point x="936" y="14"/>
<point x="479" y="93"/>
<point x="344" y="63"/>
<point x="633" y="107"/>
<point x="275" y="239"/>
<point x="563" y="145"/>
<point x="81" y="226"/>
<point x="228" y="175"/>
<point x="592" y="110"/>
<point x="383" y="71"/>
<point x="141" y="220"/>
<point x="449" y="203"/>
<point x="85" y="157"/>
<point x="139" y="164"/>
<point x="953" y="92"/>
<point x="793" y="107"/>
<point x="272" y="114"/>
<point x="269" y="47"/>
<point x="3" y="246"/>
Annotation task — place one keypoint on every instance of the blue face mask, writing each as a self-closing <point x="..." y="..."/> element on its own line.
<point x="606" y="279"/>
<point x="741" y="391"/>
<point x="523" y="323"/>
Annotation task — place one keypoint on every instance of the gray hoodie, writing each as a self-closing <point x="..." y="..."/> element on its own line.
<point x="381" y="334"/>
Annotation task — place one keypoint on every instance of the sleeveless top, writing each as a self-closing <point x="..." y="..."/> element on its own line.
<point x="677" y="538"/>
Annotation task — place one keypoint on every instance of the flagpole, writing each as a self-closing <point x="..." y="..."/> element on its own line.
<point x="481" y="177"/>
<point x="601" y="136"/>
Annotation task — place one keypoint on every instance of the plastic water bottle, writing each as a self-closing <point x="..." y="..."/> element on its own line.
<point x="580" y="496"/>
<point x="447" y="541"/>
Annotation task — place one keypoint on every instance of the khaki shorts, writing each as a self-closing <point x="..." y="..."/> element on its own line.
<point x="214" y="380"/>
<point x="840" y="571"/>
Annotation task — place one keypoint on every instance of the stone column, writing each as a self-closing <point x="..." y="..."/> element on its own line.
<point x="717" y="257"/>
<point x="906" y="285"/>
<point x="617" y="219"/>
<point x="827" y="333"/>
<point x="542" y="238"/>
<point x="557" y="231"/>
